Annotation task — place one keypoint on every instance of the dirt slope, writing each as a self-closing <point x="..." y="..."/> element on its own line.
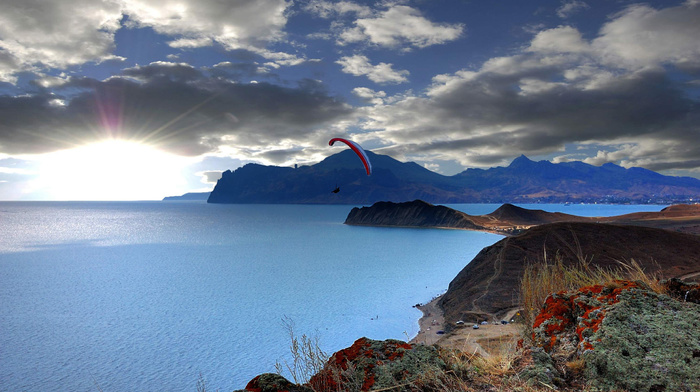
<point x="489" y="284"/>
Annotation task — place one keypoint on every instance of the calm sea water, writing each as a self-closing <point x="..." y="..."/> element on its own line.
<point x="146" y="296"/>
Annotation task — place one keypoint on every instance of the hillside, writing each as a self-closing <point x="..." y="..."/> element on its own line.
<point x="523" y="181"/>
<point x="489" y="284"/>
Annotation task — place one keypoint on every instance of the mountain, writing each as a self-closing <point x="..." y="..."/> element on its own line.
<point x="390" y="180"/>
<point x="523" y="181"/>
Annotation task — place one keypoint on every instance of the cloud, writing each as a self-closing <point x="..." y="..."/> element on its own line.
<point x="402" y="27"/>
<point x="641" y="36"/>
<point x="359" y="65"/>
<point x="233" y="24"/>
<point x="136" y="106"/>
<point x="36" y="35"/>
<point x="563" y="39"/>
<point x="327" y="9"/>
<point x="570" y="7"/>
<point x="210" y="177"/>
<point x="369" y="95"/>
<point x="560" y="91"/>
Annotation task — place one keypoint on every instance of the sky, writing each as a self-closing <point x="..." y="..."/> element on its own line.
<point x="141" y="99"/>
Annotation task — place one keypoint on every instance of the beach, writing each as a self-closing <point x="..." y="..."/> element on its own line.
<point x="489" y="339"/>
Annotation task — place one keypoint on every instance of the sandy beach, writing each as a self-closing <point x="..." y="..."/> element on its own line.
<point x="489" y="339"/>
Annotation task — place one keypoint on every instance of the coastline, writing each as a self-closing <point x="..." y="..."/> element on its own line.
<point x="430" y="323"/>
<point x="489" y="339"/>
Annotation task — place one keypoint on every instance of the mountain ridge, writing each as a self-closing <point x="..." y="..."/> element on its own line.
<point x="523" y="181"/>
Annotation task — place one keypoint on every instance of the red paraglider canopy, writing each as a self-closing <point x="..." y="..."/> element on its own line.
<point x="358" y="150"/>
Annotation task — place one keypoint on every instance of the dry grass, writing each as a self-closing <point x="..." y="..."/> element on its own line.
<point x="547" y="277"/>
<point x="307" y="356"/>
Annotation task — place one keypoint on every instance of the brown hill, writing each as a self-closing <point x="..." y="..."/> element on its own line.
<point x="514" y="215"/>
<point x="680" y="217"/>
<point x="489" y="284"/>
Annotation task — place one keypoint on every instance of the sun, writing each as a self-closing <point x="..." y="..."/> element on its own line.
<point x="111" y="170"/>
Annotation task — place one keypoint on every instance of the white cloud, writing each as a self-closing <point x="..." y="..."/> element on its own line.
<point x="327" y="9"/>
<point x="37" y="34"/>
<point x="401" y="26"/>
<point x="233" y="24"/>
<point x="642" y="36"/>
<point x="563" y="39"/>
<point x="570" y="7"/>
<point x="191" y="42"/>
<point x="374" y="97"/>
<point x="359" y="65"/>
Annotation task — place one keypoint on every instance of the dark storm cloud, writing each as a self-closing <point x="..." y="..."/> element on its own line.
<point x="634" y="106"/>
<point x="174" y="106"/>
<point x="496" y="112"/>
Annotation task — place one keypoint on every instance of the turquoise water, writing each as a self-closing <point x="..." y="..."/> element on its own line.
<point x="145" y="296"/>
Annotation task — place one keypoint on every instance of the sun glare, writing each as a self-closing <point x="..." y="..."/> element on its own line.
<point x="111" y="170"/>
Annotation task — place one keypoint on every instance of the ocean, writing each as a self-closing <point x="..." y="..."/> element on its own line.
<point x="154" y="296"/>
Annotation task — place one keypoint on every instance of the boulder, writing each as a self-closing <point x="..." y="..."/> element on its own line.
<point x="271" y="382"/>
<point x="618" y="336"/>
<point x="372" y="364"/>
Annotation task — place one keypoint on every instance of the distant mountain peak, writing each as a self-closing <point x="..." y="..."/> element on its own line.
<point x="520" y="161"/>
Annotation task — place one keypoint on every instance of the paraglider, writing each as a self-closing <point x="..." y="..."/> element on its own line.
<point x="358" y="150"/>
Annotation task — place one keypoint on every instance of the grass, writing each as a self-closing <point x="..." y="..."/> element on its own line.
<point x="539" y="280"/>
<point x="307" y="356"/>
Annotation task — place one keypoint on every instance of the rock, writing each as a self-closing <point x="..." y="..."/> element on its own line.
<point x="270" y="382"/>
<point x="682" y="291"/>
<point x="371" y="364"/>
<point x="627" y="336"/>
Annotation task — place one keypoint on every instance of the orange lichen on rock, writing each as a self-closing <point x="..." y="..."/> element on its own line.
<point x="578" y="315"/>
<point x="361" y="358"/>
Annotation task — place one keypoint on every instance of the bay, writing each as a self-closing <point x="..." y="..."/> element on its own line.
<point x="144" y="296"/>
